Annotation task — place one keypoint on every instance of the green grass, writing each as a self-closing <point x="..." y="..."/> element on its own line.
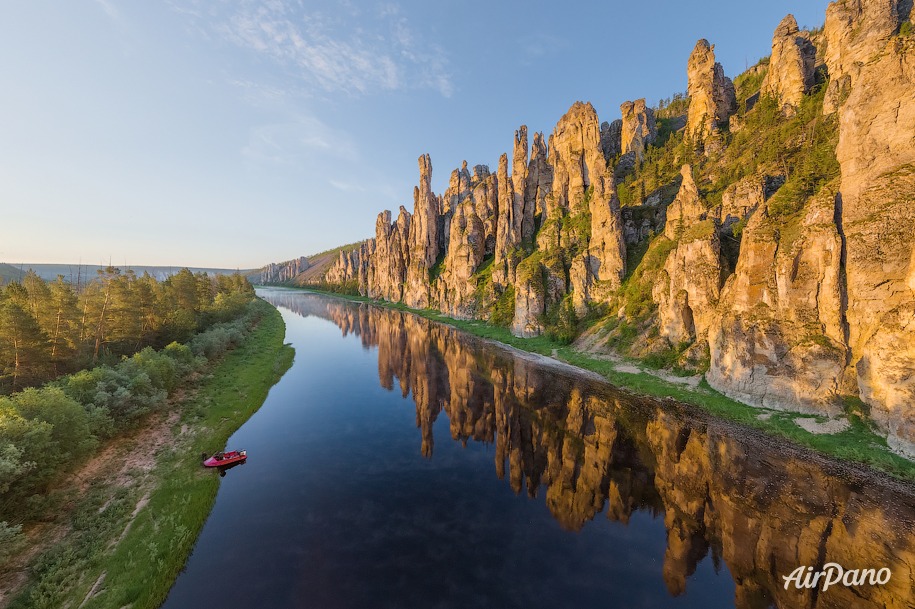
<point x="341" y="248"/>
<point x="141" y="568"/>
<point x="858" y="444"/>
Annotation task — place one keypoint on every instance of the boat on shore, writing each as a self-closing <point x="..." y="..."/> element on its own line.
<point x="222" y="459"/>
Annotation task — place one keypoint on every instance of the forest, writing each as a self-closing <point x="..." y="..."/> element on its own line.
<point x="83" y="363"/>
<point x="48" y="329"/>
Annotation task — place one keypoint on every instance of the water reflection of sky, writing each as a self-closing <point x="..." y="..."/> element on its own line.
<point x="337" y="507"/>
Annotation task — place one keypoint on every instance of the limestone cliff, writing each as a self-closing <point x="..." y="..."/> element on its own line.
<point x="712" y="98"/>
<point x="422" y="241"/>
<point x="779" y="339"/>
<point x="638" y="128"/>
<point x="876" y="152"/>
<point x="283" y="271"/>
<point x="770" y="244"/>
<point x="790" y="74"/>
<point x="547" y="222"/>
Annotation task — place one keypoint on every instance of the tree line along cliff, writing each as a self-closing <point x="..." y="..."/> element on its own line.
<point x="758" y="230"/>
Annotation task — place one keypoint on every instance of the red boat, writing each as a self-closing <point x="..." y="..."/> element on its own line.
<point x="222" y="459"/>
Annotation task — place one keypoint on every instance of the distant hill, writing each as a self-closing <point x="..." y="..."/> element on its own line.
<point x="72" y="272"/>
<point x="8" y="273"/>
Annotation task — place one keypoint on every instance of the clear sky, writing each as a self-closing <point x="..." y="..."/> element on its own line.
<point x="231" y="133"/>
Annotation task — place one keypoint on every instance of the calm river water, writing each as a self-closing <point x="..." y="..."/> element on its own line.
<point x="400" y="463"/>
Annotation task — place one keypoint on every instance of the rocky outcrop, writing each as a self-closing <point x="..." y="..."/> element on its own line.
<point x="523" y="208"/>
<point x="855" y="32"/>
<point x="345" y="269"/>
<point x="582" y="184"/>
<point x="687" y="208"/>
<point x="689" y="287"/>
<point x="711" y="94"/>
<point x="638" y="128"/>
<point x="434" y="256"/>
<point x="530" y="298"/>
<point x="779" y="340"/>
<point x="284" y="271"/>
<point x="507" y="237"/>
<point x="423" y="242"/>
<point x="581" y="280"/>
<point x="876" y="152"/>
<point x="576" y="158"/>
<point x="791" y="66"/>
<point x="389" y="262"/>
<point x="539" y="178"/>
<point x="611" y="138"/>
<point x="740" y="200"/>
<point x="467" y="248"/>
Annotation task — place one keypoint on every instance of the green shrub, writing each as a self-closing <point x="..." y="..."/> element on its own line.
<point x="41" y="431"/>
<point x="737" y="227"/>
<point x="560" y="322"/>
<point x="503" y="311"/>
<point x="11" y="540"/>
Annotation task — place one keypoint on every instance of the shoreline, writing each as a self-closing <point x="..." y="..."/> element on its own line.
<point x="854" y="448"/>
<point x="130" y="530"/>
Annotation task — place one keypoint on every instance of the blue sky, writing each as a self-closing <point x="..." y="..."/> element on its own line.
<point x="232" y="133"/>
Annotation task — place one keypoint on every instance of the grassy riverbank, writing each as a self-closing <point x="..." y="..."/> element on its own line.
<point x="132" y="530"/>
<point x="858" y="443"/>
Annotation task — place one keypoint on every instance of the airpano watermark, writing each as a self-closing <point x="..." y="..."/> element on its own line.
<point x="834" y="574"/>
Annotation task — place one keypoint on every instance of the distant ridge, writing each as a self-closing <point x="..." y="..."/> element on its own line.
<point x="70" y="272"/>
<point x="304" y="270"/>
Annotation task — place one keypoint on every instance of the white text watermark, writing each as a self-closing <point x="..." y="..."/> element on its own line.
<point x="833" y="574"/>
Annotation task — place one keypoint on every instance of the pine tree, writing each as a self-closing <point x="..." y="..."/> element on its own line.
<point x="23" y="347"/>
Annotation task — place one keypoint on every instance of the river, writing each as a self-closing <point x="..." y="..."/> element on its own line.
<point x="402" y="463"/>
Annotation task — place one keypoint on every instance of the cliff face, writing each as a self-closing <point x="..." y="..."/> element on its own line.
<point x="876" y="152"/>
<point x="711" y="94"/>
<point x="822" y="303"/>
<point x="283" y="271"/>
<point x="791" y="65"/>
<point x="638" y="128"/>
<point x="779" y="339"/>
<point x="548" y="220"/>
<point x="780" y="260"/>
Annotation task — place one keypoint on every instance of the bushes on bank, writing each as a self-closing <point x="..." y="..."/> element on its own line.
<point x="44" y="431"/>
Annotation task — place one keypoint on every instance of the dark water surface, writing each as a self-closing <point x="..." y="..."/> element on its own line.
<point x="400" y="463"/>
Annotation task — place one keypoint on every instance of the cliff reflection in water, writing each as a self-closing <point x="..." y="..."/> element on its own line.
<point x="592" y="450"/>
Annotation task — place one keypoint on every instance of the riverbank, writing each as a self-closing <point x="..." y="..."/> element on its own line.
<point x="852" y="440"/>
<point x="130" y="517"/>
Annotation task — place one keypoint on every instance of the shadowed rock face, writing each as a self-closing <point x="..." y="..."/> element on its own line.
<point x="592" y="452"/>
<point x="638" y="128"/>
<point x="611" y="135"/>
